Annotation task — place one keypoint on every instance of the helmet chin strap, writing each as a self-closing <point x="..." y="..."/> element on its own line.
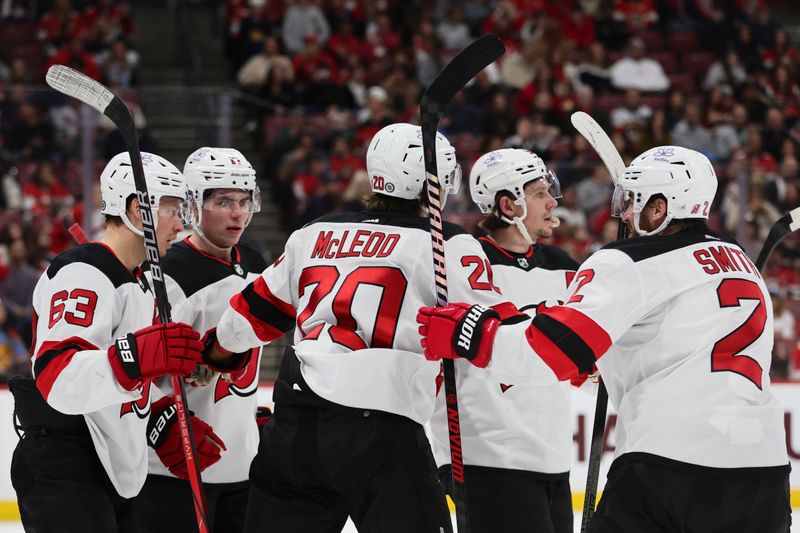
<point x="659" y="229"/>
<point x="199" y="232"/>
<point x="130" y="226"/>
<point x="518" y="221"/>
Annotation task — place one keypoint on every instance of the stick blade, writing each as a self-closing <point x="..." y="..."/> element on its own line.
<point x="601" y="142"/>
<point x="73" y="83"/>
<point x="466" y="65"/>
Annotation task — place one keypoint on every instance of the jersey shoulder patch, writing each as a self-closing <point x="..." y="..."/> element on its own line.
<point x="401" y="220"/>
<point x="641" y="248"/>
<point x="97" y="256"/>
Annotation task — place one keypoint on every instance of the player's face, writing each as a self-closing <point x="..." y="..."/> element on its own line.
<point x="169" y="222"/>
<point x="651" y="217"/>
<point x="539" y="220"/>
<point x="226" y="213"/>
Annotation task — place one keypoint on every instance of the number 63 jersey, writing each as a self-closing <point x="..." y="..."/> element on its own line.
<point x="681" y="329"/>
<point x="352" y="285"/>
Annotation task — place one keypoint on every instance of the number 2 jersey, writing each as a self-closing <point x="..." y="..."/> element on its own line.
<point x="84" y="301"/>
<point x="680" y="327"/>
<point x="505" y="424"/>
<point x="199" y="287"/>
<point x="352" y="284"/>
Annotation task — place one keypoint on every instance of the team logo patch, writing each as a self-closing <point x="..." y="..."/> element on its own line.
<point x="147" y="158"/>
<point x="238" y="268"/>
<point x="522" y="262"/>
<point x="492" y="158"/>
<point x="663" y="153"/>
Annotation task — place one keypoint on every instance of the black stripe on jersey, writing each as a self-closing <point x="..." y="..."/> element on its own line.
<point x="98" y="256"/>
<point x="543" y="256"/>
<point x="264" y="311"/>
<point x="47" y="357"/>
<point x="567" y="341"/>
<point x="741" y="473"/>
<point x="641" y="248"/>
<point x="402" y="220"/>
<point x="193" y="270"/>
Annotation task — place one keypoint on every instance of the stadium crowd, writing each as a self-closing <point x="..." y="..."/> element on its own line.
<point x="319" y="77"/>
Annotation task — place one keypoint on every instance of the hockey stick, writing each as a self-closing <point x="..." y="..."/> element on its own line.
<point x="455" y="75"/>
<point x="73" y="83"/>
<point x="77" y="233"/>
<point x="784" y="226"/>
<point x="602" y="144"/>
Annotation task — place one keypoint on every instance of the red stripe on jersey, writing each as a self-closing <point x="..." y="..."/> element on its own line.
<point x="551" y="354"/>
<point x="53" y="357"/>
<point x="587" y="329"/>
<point x="261" y="288"/>
<point x="264" y="331"/>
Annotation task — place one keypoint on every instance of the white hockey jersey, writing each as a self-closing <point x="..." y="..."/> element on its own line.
<point x="83" y="302"/>
<point x="199" y="287"/>
<point x="356" y="281"/>
<point x="504" y="424"/>
<point x="681" y="329"/>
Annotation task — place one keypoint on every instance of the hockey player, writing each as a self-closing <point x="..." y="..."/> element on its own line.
<point x="202" y="273"/>
<point x="83" y="454"/>
<point x="347" y="435"/>
<point x="516" y="438"/>
<point x="679" y="323"/>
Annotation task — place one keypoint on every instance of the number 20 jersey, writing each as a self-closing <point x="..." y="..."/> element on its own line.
<point x="353" y="283"/>
<point x="681" y="329"/>
<point x="83" y="302"/>
<point x="505" y="424"/>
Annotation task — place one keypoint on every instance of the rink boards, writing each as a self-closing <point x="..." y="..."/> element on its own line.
<point x="582" y="406"/>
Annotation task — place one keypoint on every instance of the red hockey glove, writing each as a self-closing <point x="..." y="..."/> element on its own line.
<point x="164" y="436"/>
<point x="263" y="414"/>
<point x="458" y="330"/>
<point x="220" y="359"/>
<point x="158" y="350"/>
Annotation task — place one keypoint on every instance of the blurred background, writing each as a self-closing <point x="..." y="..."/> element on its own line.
<point x="300" y="86"/>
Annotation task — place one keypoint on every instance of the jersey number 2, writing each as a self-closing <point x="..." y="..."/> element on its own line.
<point x="390" y="280"/>
<point x="726" y="355"/>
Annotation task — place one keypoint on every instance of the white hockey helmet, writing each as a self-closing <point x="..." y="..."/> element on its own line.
<point x="396" y="164"/>
<point x="220" y="168"/>
<point x="685" y="177"/>
<point x="509" y="169"/>
<point x="162" y="178"/>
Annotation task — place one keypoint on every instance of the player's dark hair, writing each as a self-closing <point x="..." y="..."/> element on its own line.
<point x="114" y="220"/>
<point x="383" y="203"/>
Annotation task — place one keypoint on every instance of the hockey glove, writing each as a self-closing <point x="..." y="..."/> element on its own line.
<point x="158" y="350"/>
<point x="164" y="436"/>
<point x="263" y="414"/>
<point x="220" y="359"/>
<point x="458" y="330"/>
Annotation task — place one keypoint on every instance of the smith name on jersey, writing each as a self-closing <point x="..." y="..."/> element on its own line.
<point x="199" y="287"/>
<point x="83" y="302"/>
<point x="681" y="330"/>
<point x="352" y="284"/>
<point x="505" y="424"/>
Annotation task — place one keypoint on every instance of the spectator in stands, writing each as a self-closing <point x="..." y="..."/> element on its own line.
<point x="303" y="19"/>
<point x="632" y="116"/>
<point x="594" y="192"/>
<point x="785" y="333"/>
<point x="747" y="50"/>
<point x="253" y="75"/>
<point x="657" y="133"/>
<point x="532" y="134"/>
<point x="636" y="71"/>
<point x="59" y="25"/>
<point x="453" y="32"/>
<point x="75" y="55"/>
<point x="637" y="15"/>
<point x="66" y="120"/>
<point x="594" y="70"/>
<point x="727" y="73"/>
<point x="305" y="63"/>
<point x="344" y="43"/>
<point x="18" y="290"/>
<point x="14" y="358"/>
<point x="33" y="136"/>
<point x="120" y="67"/>
<point x="774" y="132"/>
<point x="20" y="73"/>
<point x="105" y="23"/>
<point x="374" y="116"/>
<point x="256" y="26"/>
<point x="401" y="89"/>
<point x="690" y="132"/>
<point x="44" y="194"/>
<point x="517" y="70"/>
<point x="499" y="119"/>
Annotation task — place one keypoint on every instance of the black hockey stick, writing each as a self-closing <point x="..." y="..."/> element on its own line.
<point x="89" y="91"/>
<point x="455" y="75"/>
<point x="602" y="144"/>
<point x="784" y="226"/>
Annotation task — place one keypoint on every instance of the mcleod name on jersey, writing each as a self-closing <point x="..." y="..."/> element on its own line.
<point x="83" y="302"/>
<point x="505" y="424"/>
<point x="352" y="284"/>
<point x="681" y="329"/>
<point x="199" y="288"/>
